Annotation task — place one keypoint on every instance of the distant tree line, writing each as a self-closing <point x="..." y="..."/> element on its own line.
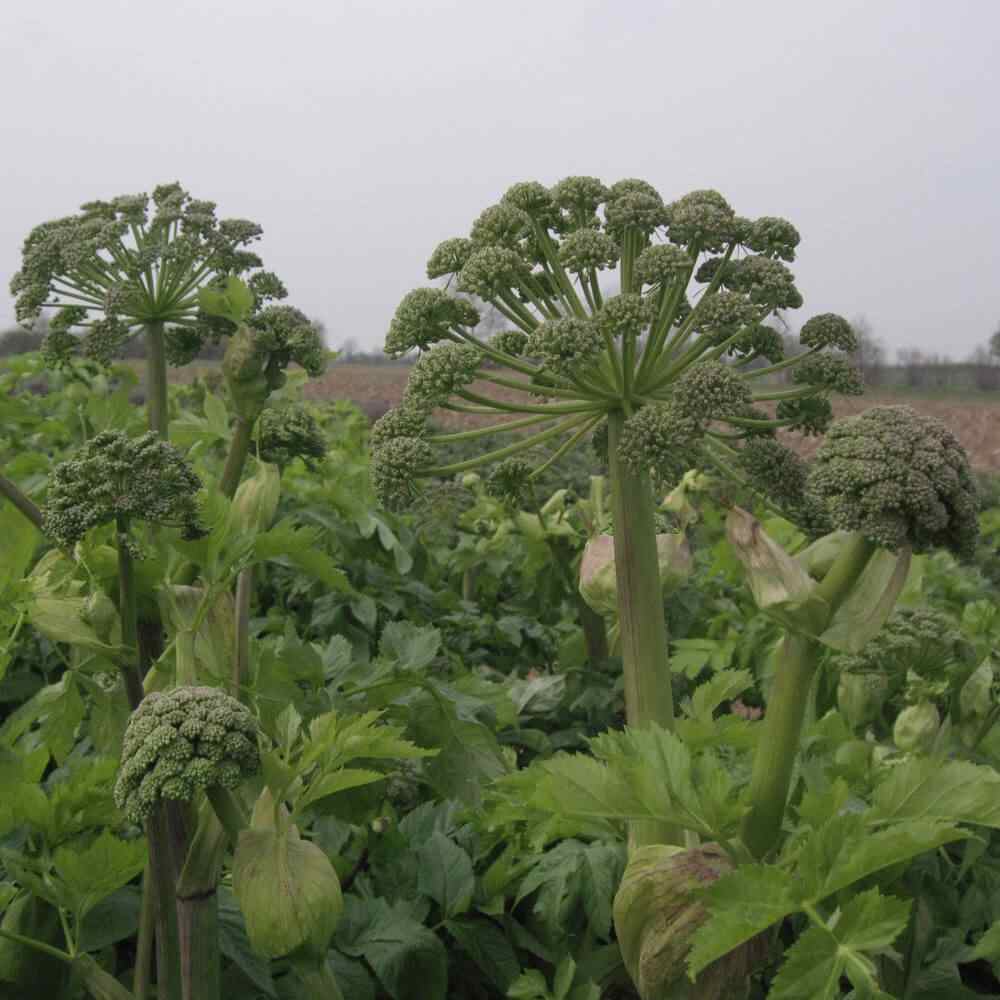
<point x="911" y="368"/>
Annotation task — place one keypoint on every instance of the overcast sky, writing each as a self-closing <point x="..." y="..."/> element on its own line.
<point x="360" y="134"/>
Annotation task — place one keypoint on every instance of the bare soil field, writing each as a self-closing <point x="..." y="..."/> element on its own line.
<point x="976" y="420"/>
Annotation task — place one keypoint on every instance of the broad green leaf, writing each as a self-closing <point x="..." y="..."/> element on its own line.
<point x="723" y="686"/>
<point x="445" y="874"/>
<point x="529" y="986"/>
<point x="112" y="920"/>
<point x="302" y="547"/>
<point x="338" y="781"/>
<point x="411" y="647"/>
<point x="565" y="971"/>
<point x="409" y="960"/>
<point x="813" y="966"/>
<point x="952" y="792"/>
<point x="488" y="947"/>
<point x="235" y="945"/>
<point x="234" y="302"/>
<point x="96" y="871"/>
<point x="741" y="905"/>
<point x="988" y="946"/>
<point x="846" y="850"/>
<point x="61" y="619"/>
<point x="20" y="539"/>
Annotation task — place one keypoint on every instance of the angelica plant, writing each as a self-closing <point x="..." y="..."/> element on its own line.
<point x="635" y="321"/>
<point x="889" y="480"/>
<point x="136" y="264"/>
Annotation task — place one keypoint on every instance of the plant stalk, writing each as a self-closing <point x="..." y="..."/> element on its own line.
<point x="10" y="490"/>
<point x="778" y="744"/>
<point x="198" y="910"/>
<point x="241" y="661"/>
<point x="156" y="379"/>
<point x="648" y="695"/>
<point x="239" y="448"/>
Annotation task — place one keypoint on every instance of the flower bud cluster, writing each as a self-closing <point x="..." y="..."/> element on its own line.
<point x="424" y="317"/>
<point x="440" y="372"/>
<point x="114" y="476"/>
<point x="565" y="345"/>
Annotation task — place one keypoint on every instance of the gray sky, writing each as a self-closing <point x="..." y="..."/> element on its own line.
<point x="361" y="133"/>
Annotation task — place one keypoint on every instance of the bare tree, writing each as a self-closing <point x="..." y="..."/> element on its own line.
<point x="870" y="355"/>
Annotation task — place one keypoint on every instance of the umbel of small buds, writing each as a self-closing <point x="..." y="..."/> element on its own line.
<point x="121" y="265"/>
<point x="617" y="303"/>
<point x="117" y="478"/>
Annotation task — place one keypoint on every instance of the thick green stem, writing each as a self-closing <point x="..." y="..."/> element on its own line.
<point x="239" y="448"/>
<point x="229" y="811"/>
<point x="198" y="909"/>
<point x="9" y="490"/>
<point x="156" y="379"/>
<point x="241" y="661"/>
<point x="161" y="885"/>
<point x="128" y="610"/>
<point x="778" y="743"/>
<point x="595" y="632"/>
<point x="144" y="942"/>
<point x="648" y="695"/>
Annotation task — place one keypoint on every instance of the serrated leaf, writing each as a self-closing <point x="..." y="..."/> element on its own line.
<point x="952" y="792"/>
<point x="96" y="871"/>
<point x="445" y="874"/>
<point x="723" y="686"/>
<point x="412" y="648"/>
<point x="846" y="850"/>
<point x="866" y="926"/>
<point x="302" y="547"/>
<point x="741" y="905"/>
<point x="488" y="947"/>
<point x="339" y="781"/>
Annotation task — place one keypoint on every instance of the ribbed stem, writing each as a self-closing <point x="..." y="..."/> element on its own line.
<point x="128" y="610"/>
<point x="156" y="379"/>
<point x="778" y="743"/>
<point x="241" y="661"/>
<point x="10" y="490"/>
<point x="239" y="448"/>
<point x="229" y="811"/>
<point x="144" y="942"/>
<point x="648" y="695"/>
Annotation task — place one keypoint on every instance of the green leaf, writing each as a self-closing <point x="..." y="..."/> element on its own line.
<point x="846" y="850"/>
<point x="867" y="926"/>
<point x="952" y="792"/>
<point x="565" y="971"/>
<point x="112" y="920"/>
<point x="302" y="547"/>
<point x="988" y="946"/>
<point x="20" y="541"/>
<point x="529" y="986"/>
<point x="723" y="686"/>
<point x="235" y="945"/>
<point x="741" y="905"/>
<point x="409" y="960"/>
<point x="488" y="947"/>
<point x="338" y="781"/>
<point x="96" y="871"/>
<point x="445" y="874"/>
<point x="234" y="302"/>
<point x="411" y="647"/>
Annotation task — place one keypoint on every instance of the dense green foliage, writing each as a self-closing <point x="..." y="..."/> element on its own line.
<point x="417" y="679"/>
